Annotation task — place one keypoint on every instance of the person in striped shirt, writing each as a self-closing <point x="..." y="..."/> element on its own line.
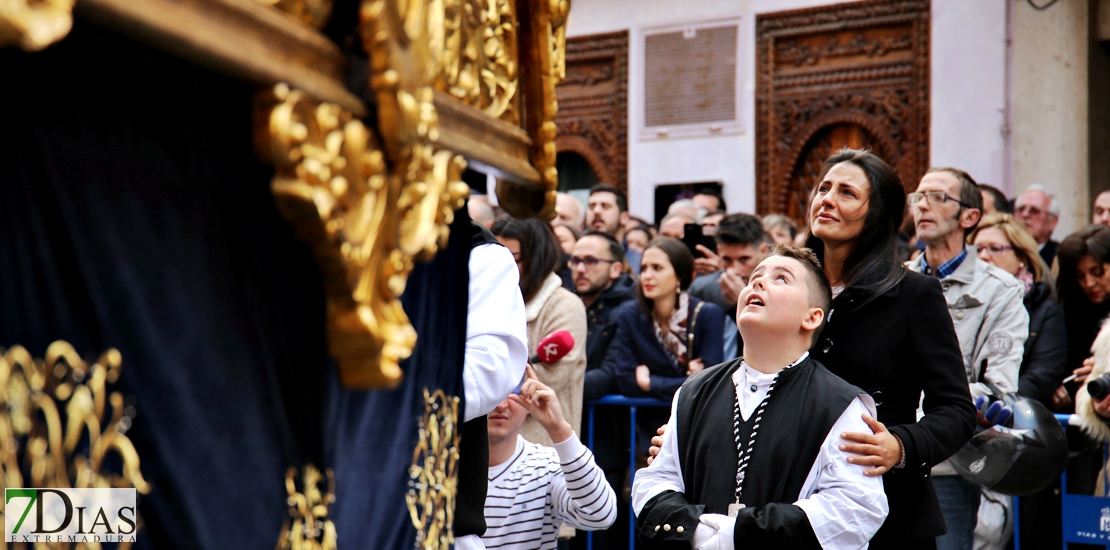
<point x="533" y="489"/>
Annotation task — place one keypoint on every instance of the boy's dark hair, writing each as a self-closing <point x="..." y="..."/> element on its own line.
<point x="820" y="291"/>
<point x="539" y="250"/>
<point x="721" y="207"/>
<point x="615" y="248"/>
<point x="622" y="199"/>
<point x="1001" y="203"/>
<point x="742" y="229"/>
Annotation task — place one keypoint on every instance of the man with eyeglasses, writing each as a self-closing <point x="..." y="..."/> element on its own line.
<point x="987" y="311"/>
<point x="599" y="279"/>
<point x="1039" y="212"/>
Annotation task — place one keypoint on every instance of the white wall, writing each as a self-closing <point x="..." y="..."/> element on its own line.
<point x="968" y="89"/>
<point x="1050" y="106"/>
<point x="968" y="93"/>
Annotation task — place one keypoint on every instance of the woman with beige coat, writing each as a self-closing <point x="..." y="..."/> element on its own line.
<point x="550" y="308"/>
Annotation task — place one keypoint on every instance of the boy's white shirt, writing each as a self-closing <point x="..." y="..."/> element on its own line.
<point x="845" y="508"/>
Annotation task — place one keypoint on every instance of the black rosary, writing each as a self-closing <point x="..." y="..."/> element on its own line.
<point x="745" y="454"/>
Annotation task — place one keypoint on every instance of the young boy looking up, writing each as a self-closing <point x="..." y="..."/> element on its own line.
<point x="532" y="488"/>
<point x="751" y="454"/>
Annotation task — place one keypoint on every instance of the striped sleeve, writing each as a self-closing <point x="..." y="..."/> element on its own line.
<point x="580" y="493"/>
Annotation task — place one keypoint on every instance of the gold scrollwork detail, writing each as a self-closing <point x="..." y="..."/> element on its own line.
<point x="308" y="526"/>
<point x="479" y="55"/>
<point x="367" y="222"/>
<point x="310" y="12"/>
<point x="331" y="183"/>
<point x="543" y="55"/>
<point x="401" y="39"/>
<point x="55" y="412"/>
<point x="433" y="476"/>
<point x="34" y="24"/>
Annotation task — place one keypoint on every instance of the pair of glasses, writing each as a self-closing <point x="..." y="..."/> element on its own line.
<point x="590" y="261"/>
<point x="995" y="249"/>
<point x="934" y="197"/>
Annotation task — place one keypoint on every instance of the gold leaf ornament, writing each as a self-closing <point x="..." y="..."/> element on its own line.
<point x="331" y="183"/>
<point x="433" y="476"/>
<point x="314" y="13"/>
<point x="479" y="55"/>
<point x="52" y="405"/>
<point x="308" y="526"/>
<point x="34" y="24"/>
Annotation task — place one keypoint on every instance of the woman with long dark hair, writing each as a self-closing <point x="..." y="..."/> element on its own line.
<point x="550" y="308"/>
<point x="1084" y="289"/>
<point x="665" y="335"/>
<point x="889" y="332"/>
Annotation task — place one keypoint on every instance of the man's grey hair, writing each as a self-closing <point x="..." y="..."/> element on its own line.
<point x="581" y="217"/>
<point x="676" y="215"/>
<point x="687" y="203"/>
<point x="1053" y="204"/>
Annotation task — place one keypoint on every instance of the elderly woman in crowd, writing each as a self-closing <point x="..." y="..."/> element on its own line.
<point x="666" y="334"/>
<point x="1000" y="240"/>
<point x="550" y="308"/>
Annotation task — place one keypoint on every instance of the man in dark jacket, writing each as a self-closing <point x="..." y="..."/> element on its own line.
<point x="741" y="245"/>
<point x="599" y="278"/>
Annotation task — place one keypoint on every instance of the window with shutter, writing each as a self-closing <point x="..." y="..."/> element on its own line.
<point x="690" y="80"/>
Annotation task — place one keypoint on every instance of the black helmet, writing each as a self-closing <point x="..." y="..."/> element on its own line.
<point x="1018" y="460"/>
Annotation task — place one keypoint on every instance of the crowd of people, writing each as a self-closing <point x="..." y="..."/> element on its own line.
<point x="936" y="298"/>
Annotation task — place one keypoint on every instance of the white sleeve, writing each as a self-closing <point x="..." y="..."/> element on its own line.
<point x="496" y="330"/>
<point x="845" y="508"/>
<point x="665" y="472"/>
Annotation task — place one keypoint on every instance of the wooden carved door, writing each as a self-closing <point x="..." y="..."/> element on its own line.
<point x="592" y="120"/>
<point x="848" y="75"/>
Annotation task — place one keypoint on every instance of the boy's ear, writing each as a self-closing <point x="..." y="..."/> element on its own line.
<point x="813" y="320"/>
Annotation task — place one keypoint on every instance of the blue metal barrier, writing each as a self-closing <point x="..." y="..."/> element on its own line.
<point x="1081" y="513"/>
<point x="1086" y="518"/>
<point x="632" y="403"/>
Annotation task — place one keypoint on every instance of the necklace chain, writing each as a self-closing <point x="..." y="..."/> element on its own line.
<point x="744" y="454"/>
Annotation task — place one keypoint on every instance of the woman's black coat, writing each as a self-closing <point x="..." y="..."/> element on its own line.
<point x="895" y="347"/>
<point x="1045" y="363"/>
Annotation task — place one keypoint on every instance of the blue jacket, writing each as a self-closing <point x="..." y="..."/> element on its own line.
<point x="635" y="344"/>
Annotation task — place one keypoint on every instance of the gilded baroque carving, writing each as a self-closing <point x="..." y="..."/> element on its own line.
<point x="310" y="12"/>
<point x="308" y="526"/>
<point x="433" y="479"/>
<point x="544" y="38"/>
<point x="850" y="73"/>
<point x="593" y="104"/>
<point x="56" y="406"/>
<point x="34" y="24"/>
<point x="479" y="57"/>
<point x="330" y="182"/>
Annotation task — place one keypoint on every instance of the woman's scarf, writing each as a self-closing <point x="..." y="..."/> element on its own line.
<point x="673" y="336"/>
<point x="1026" y="277"/>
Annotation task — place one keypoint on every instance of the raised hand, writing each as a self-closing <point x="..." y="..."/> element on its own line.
<point x="709" y="263"/>
<point x="543" y="405"/>
<point x="731" y="285"/>
<point x="880" y="449"/>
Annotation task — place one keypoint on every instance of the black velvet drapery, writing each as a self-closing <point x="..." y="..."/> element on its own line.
<point x="134" y="215"/>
